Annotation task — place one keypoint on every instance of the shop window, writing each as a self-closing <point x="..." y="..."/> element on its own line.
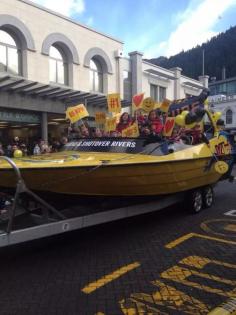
<point x="57" y="66"/>
<point x="96" y="76"/>
<point x="229" y="117"/>
<point x="9" y="54"/>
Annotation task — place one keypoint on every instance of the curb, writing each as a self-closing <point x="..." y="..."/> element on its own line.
<point x="227" y="308"/>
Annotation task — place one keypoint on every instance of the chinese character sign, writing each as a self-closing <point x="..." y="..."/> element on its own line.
<point x="110" y="124"/>
<point x="76" y="113"/>
<point x="114" y="103"/>
<point x="100" y="117"/>
<point x="131" y="132"/>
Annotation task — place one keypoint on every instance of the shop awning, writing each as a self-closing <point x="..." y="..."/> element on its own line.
<point x="13" y="84"/>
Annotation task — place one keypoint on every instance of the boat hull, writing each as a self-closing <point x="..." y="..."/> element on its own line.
<point x="106" y="173"/>
<point x="118" y="180"/>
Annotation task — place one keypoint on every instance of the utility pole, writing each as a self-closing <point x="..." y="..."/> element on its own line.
<point x="203" y="62"/>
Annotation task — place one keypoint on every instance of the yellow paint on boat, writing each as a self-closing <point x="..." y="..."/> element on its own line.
<point x="115" y="174"/>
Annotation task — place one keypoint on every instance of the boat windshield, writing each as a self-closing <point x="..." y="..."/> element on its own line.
<point x="123" y="145"/>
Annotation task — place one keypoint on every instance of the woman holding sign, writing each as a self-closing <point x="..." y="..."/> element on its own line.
<point x="154" y="123"/>
<point x="125" y="122"/>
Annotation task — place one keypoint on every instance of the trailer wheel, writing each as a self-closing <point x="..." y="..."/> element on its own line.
<point x="195" y="201"/>
<point x="208" y="196"/>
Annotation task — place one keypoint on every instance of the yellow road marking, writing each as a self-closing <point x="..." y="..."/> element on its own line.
<point x="108" y="278"/>
<point x="221" y="222"/>
<point x="190" y="235"/>
<point x="200" y="262"/>
<point x="180" y="275"/>
<point x="167" y="297"/>
<point x="230" y="227"/>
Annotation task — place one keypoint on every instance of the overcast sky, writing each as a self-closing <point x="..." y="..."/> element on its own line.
<point x="154" y="27"/>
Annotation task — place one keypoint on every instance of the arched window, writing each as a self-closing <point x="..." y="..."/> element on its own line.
<point x="57" y="66"/>
<point x="229" y="116"/>
<point x="96" y="76"/>
<point x="9" y="54"/>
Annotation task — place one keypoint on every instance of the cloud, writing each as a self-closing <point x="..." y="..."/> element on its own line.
<point x="90" y="21"/>
<point x="196" y="25"/>
<point x="65" y="7"/>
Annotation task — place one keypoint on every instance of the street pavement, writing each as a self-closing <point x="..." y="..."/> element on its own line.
<point x="168" y="262"/>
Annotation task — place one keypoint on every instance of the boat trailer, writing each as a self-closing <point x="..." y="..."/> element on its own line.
<point x="27" y="221"/>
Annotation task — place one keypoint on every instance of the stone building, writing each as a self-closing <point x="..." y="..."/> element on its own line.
<point x="223" y="99"/>
<point x="49" y="62"/>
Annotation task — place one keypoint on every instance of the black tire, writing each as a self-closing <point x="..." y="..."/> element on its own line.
<point x="208" y="196"/>
<point x="195" y="201"/>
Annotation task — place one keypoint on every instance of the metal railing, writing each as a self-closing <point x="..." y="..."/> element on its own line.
<point x="22" y="188"/>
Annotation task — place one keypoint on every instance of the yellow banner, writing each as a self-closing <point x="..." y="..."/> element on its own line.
<point x="76" y="113"/>
<point x="110" y="124"/>
<point x="165" y="105"/>
<point x="148" y="104"/>
<point x="131" y="132"/>
<point x="169" y="126"/>
<point x="114" y="103"/>
<point x="100" y="117"/>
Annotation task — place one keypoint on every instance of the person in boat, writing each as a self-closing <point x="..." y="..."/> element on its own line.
<point x="96" y="132"/>
<point x="220" y="124"/>
<point x="194" y="134"/>
<point x="140" y="118"/>
<point x="115" y="134"/>
<point x="125" y="122"/>
<point x="155" y="123"/>
<point x="84" y="131"/>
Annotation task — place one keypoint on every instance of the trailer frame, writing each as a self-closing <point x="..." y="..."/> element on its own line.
<point x="49" y="221"/>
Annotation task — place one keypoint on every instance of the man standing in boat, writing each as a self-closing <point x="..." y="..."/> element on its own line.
<point x="220" y="124"/>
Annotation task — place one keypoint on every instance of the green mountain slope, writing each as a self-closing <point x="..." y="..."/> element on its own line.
<point x="219" y="52"/>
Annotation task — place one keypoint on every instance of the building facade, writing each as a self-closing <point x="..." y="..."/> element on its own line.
<point x="49" y="62"/>
<point x="223" y="99"/>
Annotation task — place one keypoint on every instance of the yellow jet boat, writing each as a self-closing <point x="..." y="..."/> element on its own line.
<point x="122" y="167"/>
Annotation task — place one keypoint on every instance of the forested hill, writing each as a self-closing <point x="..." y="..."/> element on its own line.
<point x="219" y="52"/>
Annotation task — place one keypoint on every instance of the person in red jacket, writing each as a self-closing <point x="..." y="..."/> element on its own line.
<point x="125" y="122"/>
<point x="155" y="123"/>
